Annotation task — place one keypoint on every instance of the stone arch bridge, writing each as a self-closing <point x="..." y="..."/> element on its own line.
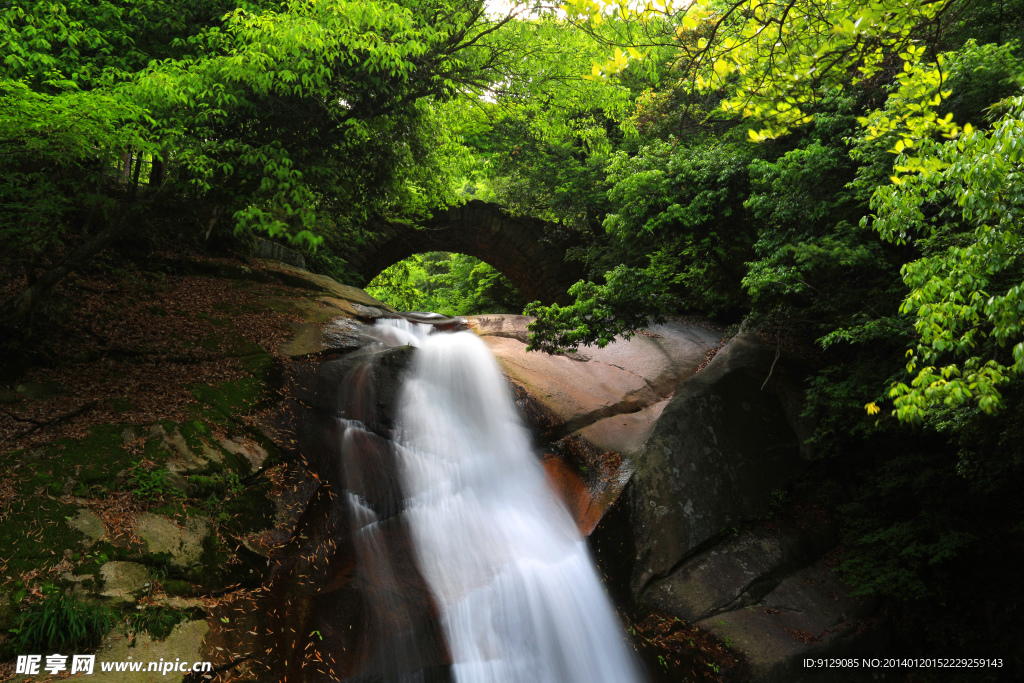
<point x="518" y="247"/>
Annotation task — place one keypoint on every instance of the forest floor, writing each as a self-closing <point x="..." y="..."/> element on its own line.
<point x="127" y="345"/>
<point x="128" y="423"/>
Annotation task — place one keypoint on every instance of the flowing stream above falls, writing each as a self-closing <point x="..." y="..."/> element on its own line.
<point x="517" y="596"/>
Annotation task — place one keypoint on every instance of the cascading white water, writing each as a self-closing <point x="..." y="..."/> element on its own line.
<point x="399" y="332"/>
<point x="519" y="597"/>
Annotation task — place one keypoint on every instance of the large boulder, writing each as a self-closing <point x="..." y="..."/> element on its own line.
<point x="740" y="570"/>
<point x="345" y="599"/>
<point x="692" y="538"/>
<point x="719" y="450"/>
<point x="771" y="592"/>
<point x="808" y="614"/>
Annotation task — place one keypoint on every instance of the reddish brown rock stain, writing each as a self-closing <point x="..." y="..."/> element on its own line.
<point x="584" y="507"/>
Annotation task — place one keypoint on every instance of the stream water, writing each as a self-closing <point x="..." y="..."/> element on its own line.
<point x="517" y="593"/>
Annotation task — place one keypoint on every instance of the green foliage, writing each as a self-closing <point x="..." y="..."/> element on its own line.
<point x="980" y="75"/>
<point x="773" y="61"/>
<point x="987" y="21"/>
<point x="687" y="199"/>
<point x="835" y="405"/>
<point x="337" y="87"/>
<point x="97" y="42"/>
<point x="451" y="284"/>
<point x="396" y="285"/>
<point x="928" y="510"/>
<point x="57" y="149"/>
<point x="296" y="119"/>
<point x="549" y="131"/>
<point x="151" y="485"/>
<point x="553" y="179"/>
<point x="59" y="623"/>
<point x="627" y="301"/>
<point x="679" y="208"/>
<point x="817" y="271"/>
<point x="966" y="291"/>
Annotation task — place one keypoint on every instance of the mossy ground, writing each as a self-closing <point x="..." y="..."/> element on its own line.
<point x="210" y="328"/>
<point x="51" y="484"/>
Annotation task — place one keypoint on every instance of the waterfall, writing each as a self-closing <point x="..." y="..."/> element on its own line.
<point x="518" y="595"/>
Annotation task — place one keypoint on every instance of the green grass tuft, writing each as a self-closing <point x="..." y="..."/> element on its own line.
<point x="59" y="623"/>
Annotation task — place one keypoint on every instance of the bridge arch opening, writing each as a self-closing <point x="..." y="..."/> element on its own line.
<point x="521" y="248"/>
<point x="449" y="283"/>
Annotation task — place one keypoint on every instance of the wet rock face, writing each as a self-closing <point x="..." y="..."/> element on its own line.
<point x="362" y="387"/>
<point x="716" y="455"/>
<point x="684" y="540"/>
<point x="719" y="450"/>
<point x="345" y="600"/>
<point x="593" y="409"/>
<point x="591" y="391"/>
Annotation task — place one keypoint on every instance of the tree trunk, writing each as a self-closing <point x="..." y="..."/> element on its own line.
<point x="214" y="217"/>
<point x="92" y="209"/>
<point x="19" y="306"/>
<point x="135" y="177"/>
<point x="157" y="172"/>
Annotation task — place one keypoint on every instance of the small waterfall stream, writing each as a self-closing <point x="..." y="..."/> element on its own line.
<point x="518" y="596"/>
<point x="428" y="544"/>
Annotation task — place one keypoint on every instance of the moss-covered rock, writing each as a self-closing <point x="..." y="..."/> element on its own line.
<point x="123" y="582"/>
<point x="89" y="524"/>
<point x="183" y="545"/>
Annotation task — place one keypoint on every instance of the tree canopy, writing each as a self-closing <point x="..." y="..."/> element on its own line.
<point x="774" y="70"/>
<point x="630" y="127"/>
